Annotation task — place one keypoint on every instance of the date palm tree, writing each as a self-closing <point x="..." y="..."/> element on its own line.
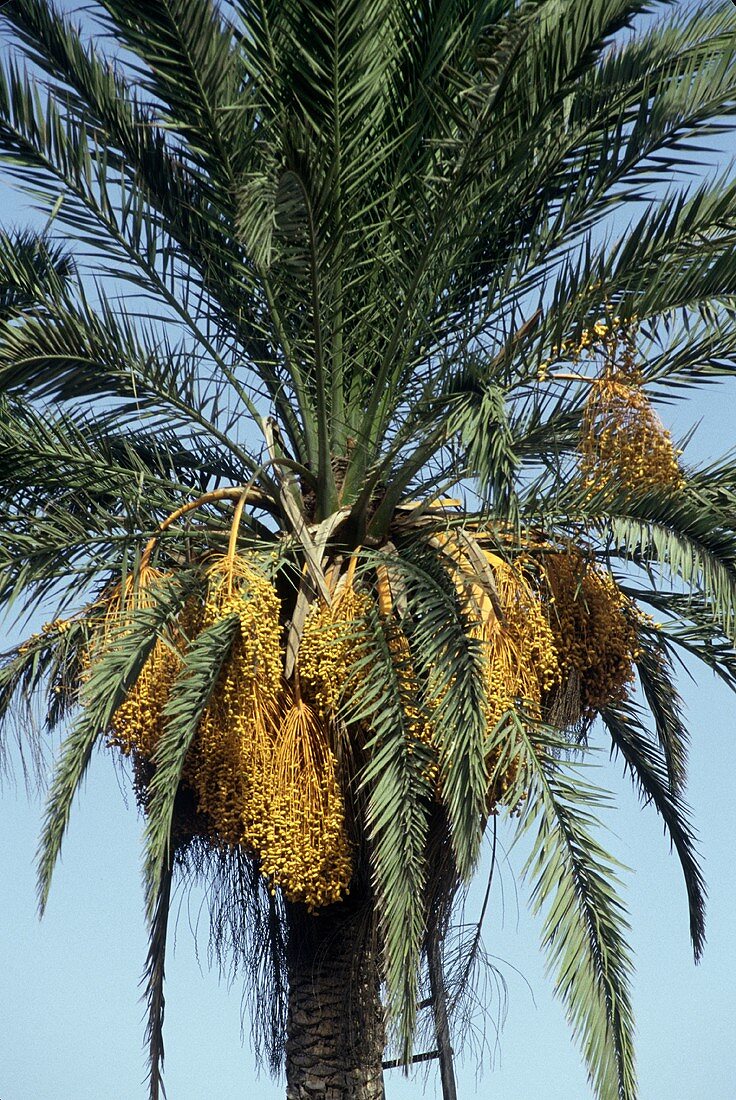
<point x="343" y="482"/>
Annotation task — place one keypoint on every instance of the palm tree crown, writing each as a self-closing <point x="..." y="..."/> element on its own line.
<point x="343" y="476"/>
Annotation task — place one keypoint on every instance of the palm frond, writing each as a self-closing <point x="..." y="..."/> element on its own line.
<point x="485" y="426"/>
<point x="397" y="784"/>
<point x="56" y="454"/>
<point x="691" y="549"/>
<point x="49" y="666"/>
<point x="201" y="666"/>
<point x="153" y="978"/>
<point x="449" y="664"/>
<point x="67" y="351"/>
<point x="646" y="762"/>
<point x="188" y="61"/>
<point x="111" y="675"/>
<point x="704" y="641"/>
<point x="29" y="266"/>
<point x="655" y="676"/>
<point x="584" y="923"/>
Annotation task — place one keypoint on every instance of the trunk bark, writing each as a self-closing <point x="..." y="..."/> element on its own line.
<point x="335" y="1029"/>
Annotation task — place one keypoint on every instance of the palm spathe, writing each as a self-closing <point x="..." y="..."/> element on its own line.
<point x="349" y="235"/>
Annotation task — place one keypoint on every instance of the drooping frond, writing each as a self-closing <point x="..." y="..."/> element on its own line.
<point x="450" y="666"/>
<point x="201" y="665"/>
<point x="398" y="785"/>
<point x="113" y="670"/>
<point x="687" y="544"/>
<point x="153" y="979"/>
<point x="692" y="630"/>
<point x="656" y="676"/>
<point x="47" y="666"/>
<point x="584" y="924"/>
<point x="646" y="762"/>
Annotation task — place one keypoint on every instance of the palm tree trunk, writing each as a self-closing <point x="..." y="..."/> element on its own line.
<point x="335" y="1028"/>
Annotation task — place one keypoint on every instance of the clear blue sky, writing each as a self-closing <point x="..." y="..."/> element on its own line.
<point x="71" y="1019"/>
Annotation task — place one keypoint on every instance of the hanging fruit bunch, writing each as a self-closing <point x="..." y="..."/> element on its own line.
<point x="261" y="767"/>
<point x="594" y="626"/>
<point x="560" y="638"/>
<point x="623" y="441"/>
<point x="233" y="749"/>
<point x="327" y="650"/>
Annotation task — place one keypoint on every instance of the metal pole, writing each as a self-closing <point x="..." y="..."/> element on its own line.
<point x="441" y="1024"/>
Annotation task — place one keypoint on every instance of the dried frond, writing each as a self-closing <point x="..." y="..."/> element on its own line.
<point x="471" y="575"/>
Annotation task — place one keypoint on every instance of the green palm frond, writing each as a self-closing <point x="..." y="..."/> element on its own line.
<point x="656" y="675"/>
<point x="450" y="666"/>
<point x="397" y="782"/>
<point x="584" y="924"/>
<point x="56" y="451"/>
<point x="702" y="640"/>
<point x="195" y="684"/>
<point x="693" y="353"/>
<point x="110" y="677"/>
<point x="189" y="63"/>
<point x="59" y="555"/>
<point x="153" y="977"/>
<point x="198" y="679"/>
<point x="691" y="549"/>
<point x="169" y="211"/>
<point x="687" y="628"/>
<point x="46" y="666"/>
<point x="484" y="422"/>
<point x="69" y="352"/>
<point x="649" y="97"/>
<point x="29" y="267"/>
<point x="647" y="764"/>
